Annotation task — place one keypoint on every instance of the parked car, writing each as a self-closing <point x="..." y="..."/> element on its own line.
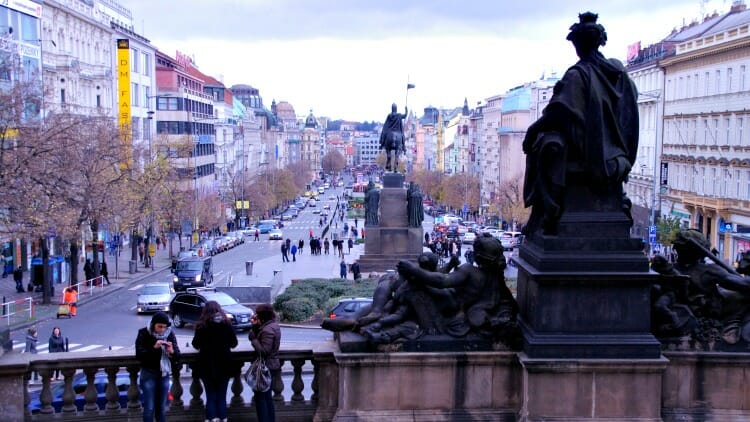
<point x="186" y="307"/>
<point x="193" y="272"/>
<point x="154" y="297"/>
<point x="510" y="240"/>
<point x="275" y="234"/>
<point x="101" y="380"/>
<point x="237" y="236"/>
<point x="350" y="307"/>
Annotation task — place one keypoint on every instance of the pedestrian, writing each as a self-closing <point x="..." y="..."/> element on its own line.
<point x="350" y="243"/>
<point x="320" y="222"/>
<point x="346" y="229"/>
<point x="265" y="336"/>
<point x="104" y="272"/>
<point x="362" y="232"/>
<point x="294" y="253"/>
<point x="310" y="232"/>
<point x="158" y="242"/>
<point x="214" y="338"/>
<point x="284" y="257"/>
<point x="70" y="297"/>
<point x="157" y="351"/>
<point x="356" y="222"/>
<point x="56" y="344"/>
<point x="32" y="338"/>
<point x="164" y="240"/>
<point x="88" y="270"/>
<point x="326" y="245"/>
<point x="355" y="270"/>
<point x="469" y="255"/>
<point x="301" y="246"/>
<point x="341" y="248"/>
<point x="257" y="235"/>
<point x="18" y="278"/>
<point x="141" y="251"/>
<point x="342" y="269"/>
<point x="354" y="232"/>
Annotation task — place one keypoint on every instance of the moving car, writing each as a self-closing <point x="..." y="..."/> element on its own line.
<point x="265" y="227"/>
<point x="193" y="272"/>
<point x="154" y="297"/>
<point x="186" y="307"/>
<point x="469" y="238"/>
<point x="510" y="240"/>
<point x="275" y="234"/>
<point x="350" y="307"/>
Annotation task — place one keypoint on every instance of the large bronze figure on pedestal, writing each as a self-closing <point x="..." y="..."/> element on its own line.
<point x="392" y="137"/>
<point x="587" y="134"/>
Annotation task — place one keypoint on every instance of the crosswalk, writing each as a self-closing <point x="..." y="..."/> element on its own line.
<point x="72" y="347"/>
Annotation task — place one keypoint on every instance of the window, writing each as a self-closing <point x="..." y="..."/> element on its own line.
<point x="740" y="124"/>
<point x="715" y="132"/>
<point x="98" y="101"/>
<point x="135" y="97"/>
<point x="742" y="78"/>
<point x="729" y="79"/>
<point x="717" y="82"/>
<point x="706" y="83"/>
<point x="135" y="56"/>
<point x="747" y="178"/>
<point x="737" y="184"/>
<point x="146" y="97"/>
<point x="146" y="64"/>
<point x="728" y="130"/>
<point x="62" y="95"/>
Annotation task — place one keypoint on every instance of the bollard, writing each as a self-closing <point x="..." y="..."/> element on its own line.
<point x="248" y="267"/>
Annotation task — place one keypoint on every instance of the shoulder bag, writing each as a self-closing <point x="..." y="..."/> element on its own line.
<point x="258" y="376"/>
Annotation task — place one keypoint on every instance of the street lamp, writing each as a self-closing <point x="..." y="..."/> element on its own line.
<point x="655" y="96"/>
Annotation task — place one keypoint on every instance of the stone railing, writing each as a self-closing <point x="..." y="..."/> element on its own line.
<point x="186" y="390"/>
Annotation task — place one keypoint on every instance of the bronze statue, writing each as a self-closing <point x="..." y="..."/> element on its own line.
<point x="372" y="205"/>
<point x="481" y="302"/>
<point x="392" y="137"/>
<point x="414" y="205"/>
<point x="717" y="297"/>
<point x="587" y="135"/>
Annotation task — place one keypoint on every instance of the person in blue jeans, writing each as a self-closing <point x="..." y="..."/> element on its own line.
<point x="265" y="337"/>
<point x="157" y="351"/>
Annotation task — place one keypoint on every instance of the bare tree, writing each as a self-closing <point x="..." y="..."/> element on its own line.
<point x="509" y="201"/>
<point x="333" y="162"/>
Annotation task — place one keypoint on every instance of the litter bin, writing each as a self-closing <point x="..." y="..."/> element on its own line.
<point x="249" y="267"/>
<point x="132" y="267"/>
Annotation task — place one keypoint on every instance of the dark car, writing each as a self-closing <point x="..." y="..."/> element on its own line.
<point x="349" y="308"/>
<point x="186" y="307"/>
<point x="122" y="380"/>
<point x="193" y="272"/>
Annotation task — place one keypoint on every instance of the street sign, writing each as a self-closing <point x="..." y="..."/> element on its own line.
<point x="151" y="249"/>
<point x="465" y="209"/>
<point x="651" y="230"/>
<point x="652" y="239"/>
<point x="195" y="237"/>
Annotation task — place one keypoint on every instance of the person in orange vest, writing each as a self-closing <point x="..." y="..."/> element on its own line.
<point x="71" y="298"/>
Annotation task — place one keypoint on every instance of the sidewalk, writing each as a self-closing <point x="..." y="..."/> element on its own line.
<point x="118" y="276"/>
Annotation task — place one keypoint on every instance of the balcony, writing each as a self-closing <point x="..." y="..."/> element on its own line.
<point x="185" y="406"/>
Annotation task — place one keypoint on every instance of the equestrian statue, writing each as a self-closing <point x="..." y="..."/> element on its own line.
<point x="392" y="137"/>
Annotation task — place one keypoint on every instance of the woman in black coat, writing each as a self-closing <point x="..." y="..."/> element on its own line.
<point x="214" y="338"/>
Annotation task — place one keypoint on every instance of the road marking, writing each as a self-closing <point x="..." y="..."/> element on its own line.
<point x="87" y="348"/>
<point x="136" y="287"/>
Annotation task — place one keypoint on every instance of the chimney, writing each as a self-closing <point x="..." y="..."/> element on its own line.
<point x="738" y="6"/>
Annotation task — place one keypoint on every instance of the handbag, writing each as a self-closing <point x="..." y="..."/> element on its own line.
<point x="258" y="376"/>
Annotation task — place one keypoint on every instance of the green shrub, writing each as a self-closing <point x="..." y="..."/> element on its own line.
<point x="304" y="298"/>
<point x="297" y="309"/>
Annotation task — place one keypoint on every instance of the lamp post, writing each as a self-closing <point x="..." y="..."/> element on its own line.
<point x="656" y="97"/>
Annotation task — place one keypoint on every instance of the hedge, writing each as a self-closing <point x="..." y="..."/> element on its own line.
<point x="304" y="298"/>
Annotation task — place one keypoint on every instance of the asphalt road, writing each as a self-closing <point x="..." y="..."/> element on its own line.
<point x="111" y="321"/>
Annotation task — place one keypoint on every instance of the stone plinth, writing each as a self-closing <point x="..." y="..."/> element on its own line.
<point x="584" y="292"/>
<point x="392" y="240"/>
<point x="591" y="389"/>
<point x="428" y="386"/>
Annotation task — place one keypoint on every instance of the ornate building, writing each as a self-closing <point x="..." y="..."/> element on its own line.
<point x="310" y="147"/>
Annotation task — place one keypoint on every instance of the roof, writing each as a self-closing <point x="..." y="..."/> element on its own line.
<point x="730" y="21"/>
<point x="517" y="99"/>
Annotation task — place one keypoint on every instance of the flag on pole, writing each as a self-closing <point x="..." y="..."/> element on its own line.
<point x="410" y="86"/>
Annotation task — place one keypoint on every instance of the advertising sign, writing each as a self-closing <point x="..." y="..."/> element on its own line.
<point x="123" y="100"/>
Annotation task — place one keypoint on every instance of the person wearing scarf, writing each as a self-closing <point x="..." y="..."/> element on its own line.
<point x="157" y="351"/>
<point x="214" y="338"/>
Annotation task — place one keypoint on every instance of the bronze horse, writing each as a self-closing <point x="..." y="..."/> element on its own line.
<point x="393" y="143"/>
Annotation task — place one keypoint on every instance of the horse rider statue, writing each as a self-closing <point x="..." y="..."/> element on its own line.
<point x="392" y="137"/>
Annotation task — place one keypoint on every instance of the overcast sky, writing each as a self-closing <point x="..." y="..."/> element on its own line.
<point x="351" y="59"/>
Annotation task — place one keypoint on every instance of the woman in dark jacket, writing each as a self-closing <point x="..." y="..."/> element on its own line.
<point x="214" y="338"/>
<point x="265" y="336"/>
<point x="56" y="345"/>
<point x="157" y="351"/>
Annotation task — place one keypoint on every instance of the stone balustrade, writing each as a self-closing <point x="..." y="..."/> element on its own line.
<point x="186" y="389"/>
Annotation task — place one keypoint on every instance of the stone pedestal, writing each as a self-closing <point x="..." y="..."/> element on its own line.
<point x="428" y="386"/>
<point x="392" y="240"/>
<point x="585" y="292"/>
<point x="591" y="390"/>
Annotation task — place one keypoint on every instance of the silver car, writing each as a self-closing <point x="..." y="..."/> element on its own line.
<point x="154" y="297"/>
